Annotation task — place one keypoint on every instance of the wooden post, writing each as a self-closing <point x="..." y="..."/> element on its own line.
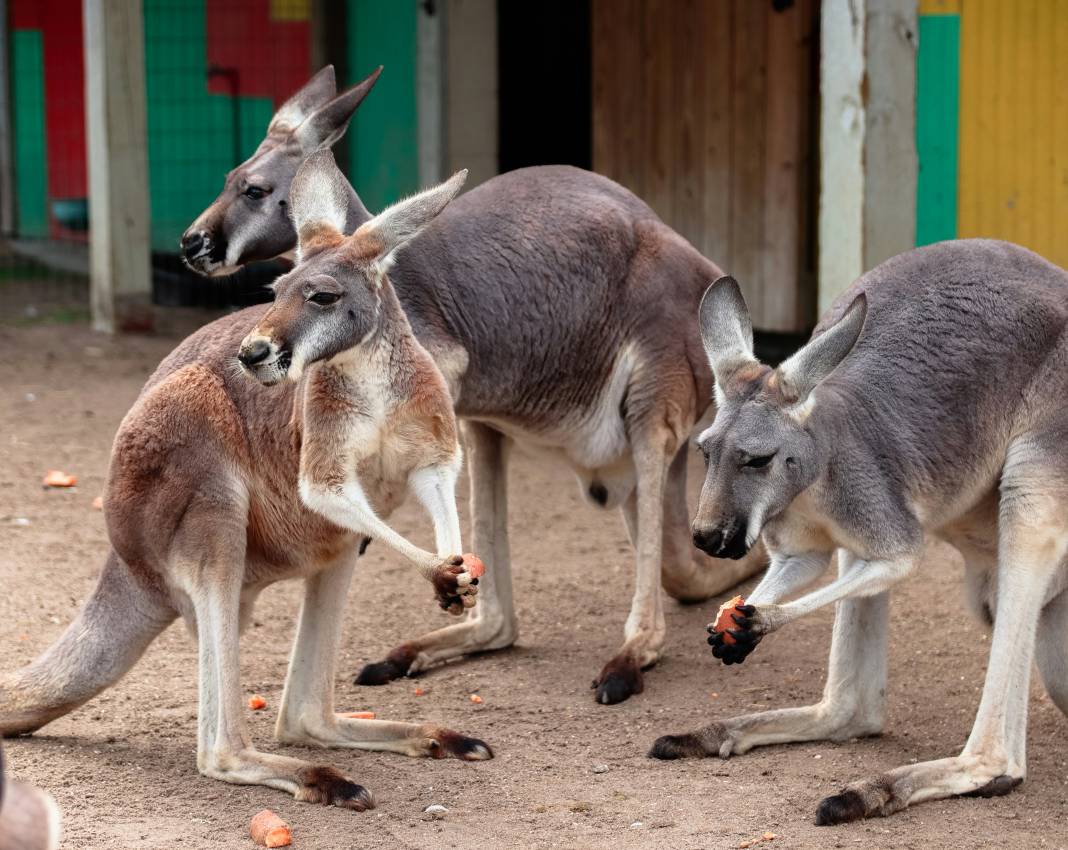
<point x="120" y="270"/>
<point x="867" y="208"/>
<point x="471" y="89"/>
<point x="430" y="90"/>
<point x="7" y="173"/>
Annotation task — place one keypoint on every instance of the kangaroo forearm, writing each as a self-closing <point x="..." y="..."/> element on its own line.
<point x="350" y="510"/>
<point x="786" y="575"/>
<point x="862" y="579"/>
<point x="435" y="488"/>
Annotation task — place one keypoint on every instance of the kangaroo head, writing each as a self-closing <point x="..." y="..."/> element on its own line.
<point x="332" y="301"/>
<point x="250" y="220"/>
<point x="759" y="452"/>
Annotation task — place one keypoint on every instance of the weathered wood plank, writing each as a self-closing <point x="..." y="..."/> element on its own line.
<point x="748" y="131"/>
<point x="685" y="117"/>
<point x="120" y="273"/>
<point x="786" y="99"/>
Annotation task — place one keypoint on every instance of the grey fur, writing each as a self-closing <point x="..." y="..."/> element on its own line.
<point x="559" y="308"/>
<point x="946" y="419"/>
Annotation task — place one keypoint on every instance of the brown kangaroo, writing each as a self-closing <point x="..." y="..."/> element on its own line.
<point x="560" y="310"/>
<point x="221" y="485"/>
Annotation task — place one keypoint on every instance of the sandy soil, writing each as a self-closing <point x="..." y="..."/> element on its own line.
<point x="123" y="767"/>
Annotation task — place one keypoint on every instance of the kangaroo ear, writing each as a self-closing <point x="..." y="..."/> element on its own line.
<point x="329" y="122"/>
<point x="377" y="239"/>
<point x="726" y="329"/>
<point x="318" y="204"/>
<point x="318" y="91"/>
<point x="803" y="372"/>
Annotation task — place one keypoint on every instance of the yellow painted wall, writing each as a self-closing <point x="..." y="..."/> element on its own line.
<point x="1013" y="171"/>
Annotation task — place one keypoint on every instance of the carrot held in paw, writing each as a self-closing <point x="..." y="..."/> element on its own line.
<point x="474" y="565"/>
<point x="723" y="619"/>
<point x="269" y="830"/>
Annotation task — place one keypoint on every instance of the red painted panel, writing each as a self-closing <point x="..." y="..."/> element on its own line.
<point x="65" y="98"/>
<point x="60" y="23"/>
<point x="26" y="14"/>
<point x="271" y="58"/>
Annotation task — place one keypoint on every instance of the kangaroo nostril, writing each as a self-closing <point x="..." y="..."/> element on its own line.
<point x="192" y="241"/>
<point x="709" y="541"/>
<point x="253" y="353"/>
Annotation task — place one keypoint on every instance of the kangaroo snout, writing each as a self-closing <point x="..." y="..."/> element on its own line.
<point x="724" y="541"/>
<point x="264" y="359"/>
<point x="253" y="352"/>
<point x="192" y="243"/>
<point x="201" y="251"/>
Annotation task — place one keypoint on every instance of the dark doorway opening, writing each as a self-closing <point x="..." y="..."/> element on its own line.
<point x="544" y="75"/>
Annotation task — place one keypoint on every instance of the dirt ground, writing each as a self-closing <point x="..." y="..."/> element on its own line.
<point x="123" y="767"/>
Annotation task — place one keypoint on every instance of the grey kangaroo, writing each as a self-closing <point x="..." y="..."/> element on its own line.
<point x="930" y="402"/>
<point x="558" y="307"/>
<point x="220" y="485"/>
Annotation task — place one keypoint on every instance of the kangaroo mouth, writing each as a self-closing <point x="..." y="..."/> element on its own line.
<point x="273" y="371"/>
<point x="724" y="543"/>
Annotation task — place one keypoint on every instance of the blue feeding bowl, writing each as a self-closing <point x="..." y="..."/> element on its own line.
<point x="72" y="213"/>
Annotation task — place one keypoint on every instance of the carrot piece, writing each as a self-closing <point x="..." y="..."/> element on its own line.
<point x="257" y="703"/>
<point x="269" y="830"/>
<point x="476" y="699"/>
<point x="474" y="565"/>
<point x="55" y="478"/>
<point x="418" y="692"/>
<point x="724" y="621"/>
<point x="360" y="715"/>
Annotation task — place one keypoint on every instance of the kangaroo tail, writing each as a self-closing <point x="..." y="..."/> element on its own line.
<point x="115" y="626"/>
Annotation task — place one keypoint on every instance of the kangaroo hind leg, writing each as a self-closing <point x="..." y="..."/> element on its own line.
<point x="1032" y="546"/>
<point x="307" y="713"/>
<point x="207" y="561"/>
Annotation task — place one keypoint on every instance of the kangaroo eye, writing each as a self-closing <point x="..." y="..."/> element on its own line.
<point x="324" y="299"/>
<point x="254" y="193"/>
<point x="758" y="462"/>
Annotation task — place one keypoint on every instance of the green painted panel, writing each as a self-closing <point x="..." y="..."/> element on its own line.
<point x="256" y="114"/>
<point x="190" y="131"/>
<point x="29" y="149"/>
<point x="383" y="138"/>
<point x="937" y="127"/>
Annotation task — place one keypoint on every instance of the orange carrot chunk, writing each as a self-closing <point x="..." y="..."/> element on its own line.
<point x="474" y="565"/>
<point x="360" y="715"/>
<point x="269" y="830"/>
<point x="476" y="699"/>
<point x="257" y="703"/>
<point x="724" y="621"/>
<point x="55" y="478"/>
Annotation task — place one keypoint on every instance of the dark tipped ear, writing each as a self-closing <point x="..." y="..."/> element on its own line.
<point x="329" y="122"/>
<point x="803" y="372"/>
<point x="726" y="329"/>
<point x="319" y="90"/>
<point x="318" y="203"/>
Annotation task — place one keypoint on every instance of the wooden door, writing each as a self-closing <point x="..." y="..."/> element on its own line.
<point x="705" y="109"/>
